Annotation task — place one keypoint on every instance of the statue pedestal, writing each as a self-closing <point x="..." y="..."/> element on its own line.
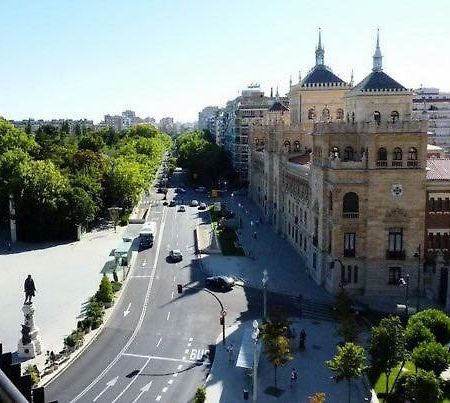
<point x="29" y="345"/>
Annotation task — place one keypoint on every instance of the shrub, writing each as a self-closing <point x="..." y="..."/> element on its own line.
<point x="87" y="323"/>
<point x="436" y="321"/>
<point x="105" y="293"/>
<point x="74" y="340"/>
<point x="95" y="310"/>
<point x="96" y="322"/>
<point x="416" y="333"/>
<point x="116" y="286"/>
<point x="421" y="387"/>
<point x="32" y="370"/>
<point x="431" y="356"/>
<point x="200" y="395"/>
<point x="124" y="219"/>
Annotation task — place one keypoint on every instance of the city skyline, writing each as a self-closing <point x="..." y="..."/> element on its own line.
<point x="83" y="60"/>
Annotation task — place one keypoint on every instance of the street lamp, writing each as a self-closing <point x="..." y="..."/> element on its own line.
<point x="255" y="335"/>
<point x="404" y="282"/>
<point x="240" y="214"/>
<point x="265" y="279"/>
<point x="253" y="235"/>
<point x="418" y="255"/>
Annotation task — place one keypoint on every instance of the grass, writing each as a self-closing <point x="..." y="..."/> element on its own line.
<point x="227" y="237"/>
<point x="380" y="383"/>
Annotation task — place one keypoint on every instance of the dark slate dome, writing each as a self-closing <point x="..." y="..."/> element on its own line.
<point x="278" y="107"/>
<point x="321" y="75"/>
<point x="379" y="81"/>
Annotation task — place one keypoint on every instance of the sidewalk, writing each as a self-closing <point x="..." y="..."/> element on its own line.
<point x="286" y="270"/>
<point x="226" y="382"/>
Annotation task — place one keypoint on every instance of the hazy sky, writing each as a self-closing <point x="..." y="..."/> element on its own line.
<point x="85" y="58"/>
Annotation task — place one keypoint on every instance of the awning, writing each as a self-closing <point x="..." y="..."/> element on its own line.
<point x="245" y="357"/>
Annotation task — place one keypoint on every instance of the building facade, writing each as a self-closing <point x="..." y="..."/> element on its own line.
<point x="342" y="176"/>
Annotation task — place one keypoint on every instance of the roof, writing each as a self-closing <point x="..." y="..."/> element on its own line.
<point x="438" y="169"/>
<point x="278" y="107"/>
<point x="378" y="81"/>
<point x="321" y="74"/>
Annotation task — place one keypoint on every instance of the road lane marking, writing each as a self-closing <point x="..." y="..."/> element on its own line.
<point x="174" y="279"/>
<point x="159" y="342"/>
<point x="190" y="339"/>
<point x="170" y="381"/>
<point x="172" y="295"/>
<point x="158" y="398"/>
<point x="159" y="358"/>
<point x="140" y="321"/>
<point x="168" y="315"/>
<point x="146" y="388"/>
<point x="175" y="374"/>
<point x="109" y="384"/>
<point x="140" y="276"/>
<point x="186" y="351"/>
<point x="179" y="367"/>
<point x="164" y="390"/>
<point x="136" y="355"/>
<point x="132" y="381"/>
<point x="127" y="311"/>
<point x="189" y="344"/>
<point x="184" y="358"/>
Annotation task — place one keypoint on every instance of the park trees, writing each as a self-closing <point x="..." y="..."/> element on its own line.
<point x="431" y="356"/>
<point x="348" y="363"/>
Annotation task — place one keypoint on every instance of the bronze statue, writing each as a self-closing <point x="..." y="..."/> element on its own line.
<point x="29" y="289"/>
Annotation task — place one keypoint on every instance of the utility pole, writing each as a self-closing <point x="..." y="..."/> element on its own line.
<point x="418" y="255"/>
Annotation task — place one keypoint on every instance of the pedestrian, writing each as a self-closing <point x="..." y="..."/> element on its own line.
<point x="9" y="246"/>
<point x="294" y="376"/>
<point x="29" y="289"/>
<point x="230" y="353"/>
<point x="254" y="235"/>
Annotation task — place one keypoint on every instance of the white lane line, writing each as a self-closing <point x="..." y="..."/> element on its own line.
<point x="159" y="342"/>
<point x="168" y="315"/>
<point x="175" y="374"/>
<point x="109" y="384"/>
<point x="136" y="355"/>
<point x="170" y="381"/>
<point x="132" y="381"/>
<point x="174" y="279"/>
<point x="138" y="325"/>
<point x="158" y="398"/>
<point x="189" y="344"/>
<point x="184" y="358"/>
<point x="140" y="276"/>
<point x="179" y="367"/>
<point x="190" y="339"/>
<point x="146" y="388"/>
<point x="172" y="295"/>
<point x="164" y="390"/>
<point x="186" y="351"/>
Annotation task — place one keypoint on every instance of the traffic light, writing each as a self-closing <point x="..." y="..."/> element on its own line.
<point x="180" y="288"/>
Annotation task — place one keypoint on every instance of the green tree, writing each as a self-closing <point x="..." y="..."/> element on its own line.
<point x="91" y="141"/>
<point x="437" y="321"/>
<point x="28" y="127"/>
<point x="388" y="346"/>
<point x="81" y="207"/>
<point x="415" y="333"/>
<point x="431" y="356"/>
<point x="32" y="369"/>
<point x="105" y="291"/>
<point x="422" y="387"/>
<point x="276" y="344"/>
<point x="348" y="363"/>
<point x="200" y="395"/>
<point x="15" y="139"/>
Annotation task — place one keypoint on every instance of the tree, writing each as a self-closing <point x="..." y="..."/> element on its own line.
<point x="200" y="395"/>
<point x="416" y="333"/>
<point x="317" y="398"/>
<point x="81" y="207"/>
<point x="277" y="344"/>
<point x="32" y="369"/>
<point x="105" y="292"/>
<point x="436" y="321"/>
<point x="431" y="356"/>
<point x="348" y="363"/>
<point x="388" y="346"/>
<point x="91" y="141"/>
<point x="422" y="387"/>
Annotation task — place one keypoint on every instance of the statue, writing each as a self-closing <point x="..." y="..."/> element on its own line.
<point x="26" y="336"/>
<point x="29" y="289"/>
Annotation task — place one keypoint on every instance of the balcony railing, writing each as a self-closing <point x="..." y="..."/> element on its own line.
<point x="381" y="163"/>
<point x="395" y="254"/>
<point x="412" y="164"/>
<point x="397" y="164"/>
<point x="349" y="253"/>
<point x="353" y="214"/>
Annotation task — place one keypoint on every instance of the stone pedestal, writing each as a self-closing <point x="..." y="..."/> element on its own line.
<point x="29" y="345"/>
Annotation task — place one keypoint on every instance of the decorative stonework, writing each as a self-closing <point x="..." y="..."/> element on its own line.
<point x="29" y="345"/>
<point x="395" y="216"/>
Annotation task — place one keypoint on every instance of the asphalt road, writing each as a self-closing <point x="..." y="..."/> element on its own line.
<point x="162" y="349"/>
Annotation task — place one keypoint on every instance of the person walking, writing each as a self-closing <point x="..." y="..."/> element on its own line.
<point x="294" y="376"/>
<point x="29" y="289"/>
<point x="230" y="353"/>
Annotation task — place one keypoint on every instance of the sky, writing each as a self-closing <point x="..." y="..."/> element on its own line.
<point x="86" y="58"/>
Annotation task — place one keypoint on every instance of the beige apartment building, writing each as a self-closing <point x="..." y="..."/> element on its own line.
<point x="342" y="175"/>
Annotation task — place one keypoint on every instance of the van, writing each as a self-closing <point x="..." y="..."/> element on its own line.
<point x="147" y="235"/>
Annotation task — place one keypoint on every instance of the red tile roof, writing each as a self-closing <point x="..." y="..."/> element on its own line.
<point x="438" y="169"/>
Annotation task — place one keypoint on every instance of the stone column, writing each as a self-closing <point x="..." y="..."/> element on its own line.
<point x="29" y="345"/>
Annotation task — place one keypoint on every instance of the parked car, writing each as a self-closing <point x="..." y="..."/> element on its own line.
<point x="223" y="283"/>
<point x="181" y="208"/>
<point x="172" y="203"/>
<point x="194" y="203"/>
<point x="202" y="206"/>
<point x="175" y="255"/>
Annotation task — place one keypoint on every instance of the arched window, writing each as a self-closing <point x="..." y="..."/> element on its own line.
<point x="350" y="205"/>
<point x="297" y="146"/>
<point x="377" y="117"/>
<point x="395" y="116"/>
<point x="340" y="114"/>
<point x="348" y="153"/>
<point x="325" y="113"/>
<point x="311" y="114"/>
<point x="334" y="153"/>
<point x="397" y="154"/>
<point x="382" y="154"/>
<point x="287" y="146"/>
<point x="412" y="154"/>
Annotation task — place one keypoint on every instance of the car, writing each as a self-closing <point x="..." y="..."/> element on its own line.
<point x="165" y="203"/>
<point x="181" y="208"/>
<point x="202" y="206"/>
<point x="175" y="255"/>
<point x="223" y="283"/>
<point x="194" y="203"/>
<point x="172" y="203"/>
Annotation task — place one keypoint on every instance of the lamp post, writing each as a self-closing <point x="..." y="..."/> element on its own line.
<point x="240" y="214"/>
<point x="265" y="279"/>
<point x="255" y="335"/>
<point x="418" y="255"/>
<point x="253" y="235"/>
<point x="404" y="282"/>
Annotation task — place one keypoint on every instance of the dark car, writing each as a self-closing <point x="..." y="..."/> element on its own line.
<point x="223" y="283"/>
<point x="172" y="203"/>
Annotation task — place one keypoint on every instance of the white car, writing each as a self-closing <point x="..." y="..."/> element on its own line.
<point x="175" y="255"/>
<point x="202" y="206"/>
<point x="194" y="203"/>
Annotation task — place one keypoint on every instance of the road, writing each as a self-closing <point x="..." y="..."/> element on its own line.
<point x="158" y="344"/>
